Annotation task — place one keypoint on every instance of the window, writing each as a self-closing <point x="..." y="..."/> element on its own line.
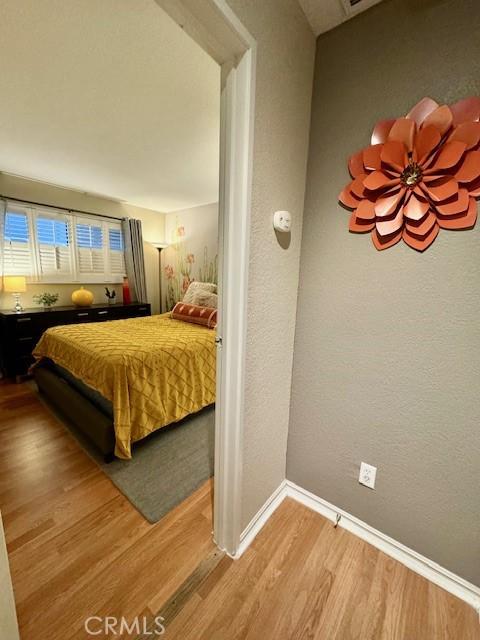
<point x="116" y="250"/>
<point x="17" y="244"/>
<point x="54" y="246"/>
<point x="90" y="248"/>
<point x="51" y="246"/>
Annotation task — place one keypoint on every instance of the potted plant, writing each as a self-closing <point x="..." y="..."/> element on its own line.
<point x="111" y="295"/>
<point x="46" y="299"/>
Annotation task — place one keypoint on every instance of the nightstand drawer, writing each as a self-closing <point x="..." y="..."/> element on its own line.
<point x="102" y="314"/>
<point x="23" y="325"/>
<point x="25" y="344"/>
<point x="82" y="316"/>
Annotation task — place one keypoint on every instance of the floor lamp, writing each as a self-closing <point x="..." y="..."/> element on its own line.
<point x="160" y="246"/>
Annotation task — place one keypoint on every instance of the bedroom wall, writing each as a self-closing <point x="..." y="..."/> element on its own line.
<point x="387" y="349"/>
<point x="192" y="254"/>
<point x="153" y="226"/>
<point x="285" y="56"/>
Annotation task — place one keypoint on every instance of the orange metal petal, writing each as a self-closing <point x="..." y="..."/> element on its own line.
<point x="357" y="187"/>
<point x="388" y="204"/>
<point x="347" y="198"/>
<point x="385" y="242"/>
<point x="466" y="221"/>
<point x="467" y="110"/>
<point x="456" y="206"/>
<point x="449" y="156"/>
<point x="371" y="157"/>
<point x="421" y="110"/>
<point x="470" y="168"/>
<point x="387" y="227"/>
<point x="426" y="142"/>
<point x="381" y="131"/>
<point x="378" y="180"/>
<point x="423" y="243"/>
<point x="442" y="189"/>
<point x="441" y="118"/>
<point x="394" y="154"/>
<point x="403" y="130"/>
<point x="359" y="226"/>
<point x="416" y="208"/>
<point x="474" y="188"/>
<point x="365" y="210"/>
<point x="468" y="132"/>
<point x="355" y="164"/>
<point x="420" y="230"/>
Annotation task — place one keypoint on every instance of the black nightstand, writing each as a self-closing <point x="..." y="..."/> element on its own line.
<point x="20" y="332"/>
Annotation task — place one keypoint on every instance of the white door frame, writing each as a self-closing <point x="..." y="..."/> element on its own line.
<point x="213" y="25"/>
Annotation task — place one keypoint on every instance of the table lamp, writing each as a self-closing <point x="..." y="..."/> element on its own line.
<point x="15" y="285"/>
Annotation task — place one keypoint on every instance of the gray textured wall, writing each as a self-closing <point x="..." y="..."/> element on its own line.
<point x="387" y="348"/>
<point x="285" y="60"/>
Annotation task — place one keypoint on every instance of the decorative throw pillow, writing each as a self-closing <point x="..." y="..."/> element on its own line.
<point x="193" y="313"/>
<point x="203" y="298"/>
<point x="198" y="286"/>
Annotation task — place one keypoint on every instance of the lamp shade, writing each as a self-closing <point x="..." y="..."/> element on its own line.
<point x="15" y="284"/>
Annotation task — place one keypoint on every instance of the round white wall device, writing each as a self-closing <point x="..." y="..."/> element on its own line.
<point x="282" y="221"/>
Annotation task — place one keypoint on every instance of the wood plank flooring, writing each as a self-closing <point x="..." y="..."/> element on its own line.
<point x="303" y="579"/>
<point x="78" y="548"/>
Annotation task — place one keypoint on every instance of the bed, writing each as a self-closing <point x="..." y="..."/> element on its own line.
<point x="122" y="380"/>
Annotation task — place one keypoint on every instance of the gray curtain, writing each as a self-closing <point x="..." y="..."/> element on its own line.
<point x="3" y="210"/>
<point x="134" y="259"/>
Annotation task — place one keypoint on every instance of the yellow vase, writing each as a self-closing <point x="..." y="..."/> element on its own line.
<point x="82" y="297"/>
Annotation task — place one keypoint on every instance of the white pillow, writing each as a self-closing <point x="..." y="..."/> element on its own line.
<point x="198" y="286"/>
<point x="203" y="298"/>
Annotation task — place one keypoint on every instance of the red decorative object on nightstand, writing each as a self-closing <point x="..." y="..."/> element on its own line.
<point x="127" y="299"/>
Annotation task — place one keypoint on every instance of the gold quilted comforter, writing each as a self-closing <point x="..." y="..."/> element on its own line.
<point x="154" y="370"/>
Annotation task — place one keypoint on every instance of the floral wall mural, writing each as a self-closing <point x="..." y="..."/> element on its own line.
<point x="192" y="252"/>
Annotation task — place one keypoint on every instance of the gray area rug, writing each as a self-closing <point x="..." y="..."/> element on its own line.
<point x="165" y="468"/>
<point x="168" y="466"/>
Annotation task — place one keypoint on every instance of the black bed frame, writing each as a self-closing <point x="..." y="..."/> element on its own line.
<point x="83" y="414"/>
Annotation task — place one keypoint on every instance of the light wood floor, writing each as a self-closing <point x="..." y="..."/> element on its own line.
<point x="78" y="548"/>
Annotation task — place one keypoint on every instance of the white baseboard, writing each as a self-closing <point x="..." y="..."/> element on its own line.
<point x="260" y="518"/>
<point x="425" y="567"/>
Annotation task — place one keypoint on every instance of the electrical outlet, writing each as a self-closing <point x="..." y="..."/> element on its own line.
<point x="367" y="475"/>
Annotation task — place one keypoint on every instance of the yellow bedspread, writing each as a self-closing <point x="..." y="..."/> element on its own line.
<point x="154" y="370"/>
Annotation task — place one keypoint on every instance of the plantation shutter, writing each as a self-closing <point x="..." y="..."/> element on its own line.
<point x="18" y="252"/>
<point x="90" y="247"/>
<point x="54" y="246"/>
<point x="116" y="249"/>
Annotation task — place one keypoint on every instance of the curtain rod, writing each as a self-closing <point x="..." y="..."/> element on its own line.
<point x="52" y="206"/>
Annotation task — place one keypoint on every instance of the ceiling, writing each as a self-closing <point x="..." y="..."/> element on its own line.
<point x="324" y="15"/>
<point x="111" y="98"/>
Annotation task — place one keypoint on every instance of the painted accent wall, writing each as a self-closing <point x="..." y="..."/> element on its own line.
<point x="285" y="57"/>
<point x="153" y="228"/>
<point x="192" y="252"/>
<point x="387" y="345"/>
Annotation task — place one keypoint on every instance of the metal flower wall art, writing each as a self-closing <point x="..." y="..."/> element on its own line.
<point x="420" y="174"/>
